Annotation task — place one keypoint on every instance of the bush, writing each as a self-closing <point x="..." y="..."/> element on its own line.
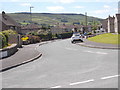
<point x="7" y="33"/>
<point x="64" y="35"/>
<point x="89" y="33"/>
<point x="3" y="41"/>
<point x="4" y="35"/>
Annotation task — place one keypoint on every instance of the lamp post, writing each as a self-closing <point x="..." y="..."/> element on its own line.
<point x="31" y="13"/>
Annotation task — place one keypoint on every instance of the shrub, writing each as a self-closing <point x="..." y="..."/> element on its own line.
<point x="3" y="41"/>
<point x="7" y="33"/>
<point x="64" y="35"/>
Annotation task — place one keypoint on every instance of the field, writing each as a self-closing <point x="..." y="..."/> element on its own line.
<point x="51" y="19"/>
<point x="107" y="38"/>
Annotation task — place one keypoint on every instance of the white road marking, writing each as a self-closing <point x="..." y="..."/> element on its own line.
<point x="71" y="49"/>
<point x="36" y="47"/>
<point x="56" y="87"/>
<point x="96" y="52"/>
<point x="108" y="77"/>
<point x="101" y="53"/>
<point x="81" y="82"/>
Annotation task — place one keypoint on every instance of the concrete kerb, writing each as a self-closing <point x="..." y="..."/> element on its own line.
<point x="27" y="61"/>
<point x="99" y="47"/>
<point x="22" y="63"/>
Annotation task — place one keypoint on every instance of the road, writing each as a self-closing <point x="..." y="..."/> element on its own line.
<point x="66" y="65"/>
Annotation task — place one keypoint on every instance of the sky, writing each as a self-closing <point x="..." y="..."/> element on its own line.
<point x="95" y="8"/>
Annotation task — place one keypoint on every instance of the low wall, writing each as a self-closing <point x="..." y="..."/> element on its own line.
<point x="6" y="52"/>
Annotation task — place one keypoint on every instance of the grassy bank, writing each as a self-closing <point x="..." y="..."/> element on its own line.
<point x="107" y="38"/>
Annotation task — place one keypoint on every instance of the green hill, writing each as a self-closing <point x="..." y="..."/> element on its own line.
<point x="51" y="18"/>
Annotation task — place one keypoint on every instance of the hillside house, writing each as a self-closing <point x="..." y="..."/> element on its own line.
<point x="8" y="23"/>
<point x="30" y="28"/>
<point x="68" y="28"/>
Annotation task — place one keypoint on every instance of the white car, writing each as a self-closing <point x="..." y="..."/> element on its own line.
<point x="76" y="37"/>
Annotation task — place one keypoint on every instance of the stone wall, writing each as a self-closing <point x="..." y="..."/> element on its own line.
<point x="6" y="52"/>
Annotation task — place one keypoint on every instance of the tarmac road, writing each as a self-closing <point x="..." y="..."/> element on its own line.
<point x="66" y="65"/>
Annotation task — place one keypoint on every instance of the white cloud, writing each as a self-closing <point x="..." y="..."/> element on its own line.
<point x="66" y="1"/>
<point x="14" y="0"/>
<point x="106" y="6"/>
<point x="25" y="4"/>
<point x="55" y="8"/>
<point x="101" y="11"/>
<point x="79" y="7"/>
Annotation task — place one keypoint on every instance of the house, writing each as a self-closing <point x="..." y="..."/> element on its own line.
<point x="58" y="29"/>
<point x="30" y="28"/>
<point x="105" y="25"/>
<point x="112" y="24"/>
<point x="117" y="23"/>
<point x="7" y="22"/>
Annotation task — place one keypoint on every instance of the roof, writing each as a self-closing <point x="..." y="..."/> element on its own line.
<point x="8" y="20"/>
<point x="71" y="26"/>
<point x="118" y="16"/>
<point x="31" y="26"/>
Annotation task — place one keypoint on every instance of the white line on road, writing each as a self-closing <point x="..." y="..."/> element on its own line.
<point x="81" y="82"/>
<point x="110" y="77"/>
<point x="71" y="49"/>
<point x="56" y="87"/>
<point x="96" y="52"/>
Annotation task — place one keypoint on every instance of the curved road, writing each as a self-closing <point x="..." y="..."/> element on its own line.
<point x="66" y="65"/>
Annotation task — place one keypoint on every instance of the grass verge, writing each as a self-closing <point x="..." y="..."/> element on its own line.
<point x="107" y="38"/>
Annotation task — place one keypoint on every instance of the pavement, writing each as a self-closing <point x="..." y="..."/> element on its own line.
<point x="92" y="44"/>
<point x="24" y="55"/>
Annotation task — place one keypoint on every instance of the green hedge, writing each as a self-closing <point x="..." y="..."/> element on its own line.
<point x="3" y="41"/>
<point x="4" y="35"/>
<point x="64" y="35"/>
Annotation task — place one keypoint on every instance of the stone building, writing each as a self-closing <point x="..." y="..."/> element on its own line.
<point x="111" y="24"/>
<point x="105" y="25"/>
<point x="117" y="23"/>
<point x="8" y="23"/>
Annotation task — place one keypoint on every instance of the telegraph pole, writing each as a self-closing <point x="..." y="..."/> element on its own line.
<point x="86" y="21"/>
<point x="31" y="13"/>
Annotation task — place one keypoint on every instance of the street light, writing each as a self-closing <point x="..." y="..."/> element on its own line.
<point x="31" y="13"/>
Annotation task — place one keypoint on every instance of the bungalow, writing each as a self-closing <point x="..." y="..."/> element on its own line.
<point x="7" y="22"/>
<point x="68" y="28"/>
<point x="30" y="28"/>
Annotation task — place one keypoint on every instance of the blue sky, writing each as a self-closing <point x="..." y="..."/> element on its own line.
<point x="96" y="8"/>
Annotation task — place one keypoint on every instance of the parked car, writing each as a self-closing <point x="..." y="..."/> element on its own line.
<point x="76" y="37"/>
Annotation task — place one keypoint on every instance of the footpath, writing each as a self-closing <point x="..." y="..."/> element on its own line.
<point x="92" y="44"/>
<point x="24" y="55"/>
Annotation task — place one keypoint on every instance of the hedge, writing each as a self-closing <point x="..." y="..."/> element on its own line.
<point x="3" y="41"/>
<point x="64" y="35"/>
<point x="4" y="35"/>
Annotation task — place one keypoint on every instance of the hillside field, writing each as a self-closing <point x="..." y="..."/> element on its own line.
<point x="52" y="19"/>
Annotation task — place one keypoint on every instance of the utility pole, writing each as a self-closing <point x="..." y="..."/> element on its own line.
<point x="31" y="13"/>
<point x="85" y="21"/>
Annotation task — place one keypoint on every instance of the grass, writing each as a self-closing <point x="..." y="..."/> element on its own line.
<point x="107" y="38"/>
